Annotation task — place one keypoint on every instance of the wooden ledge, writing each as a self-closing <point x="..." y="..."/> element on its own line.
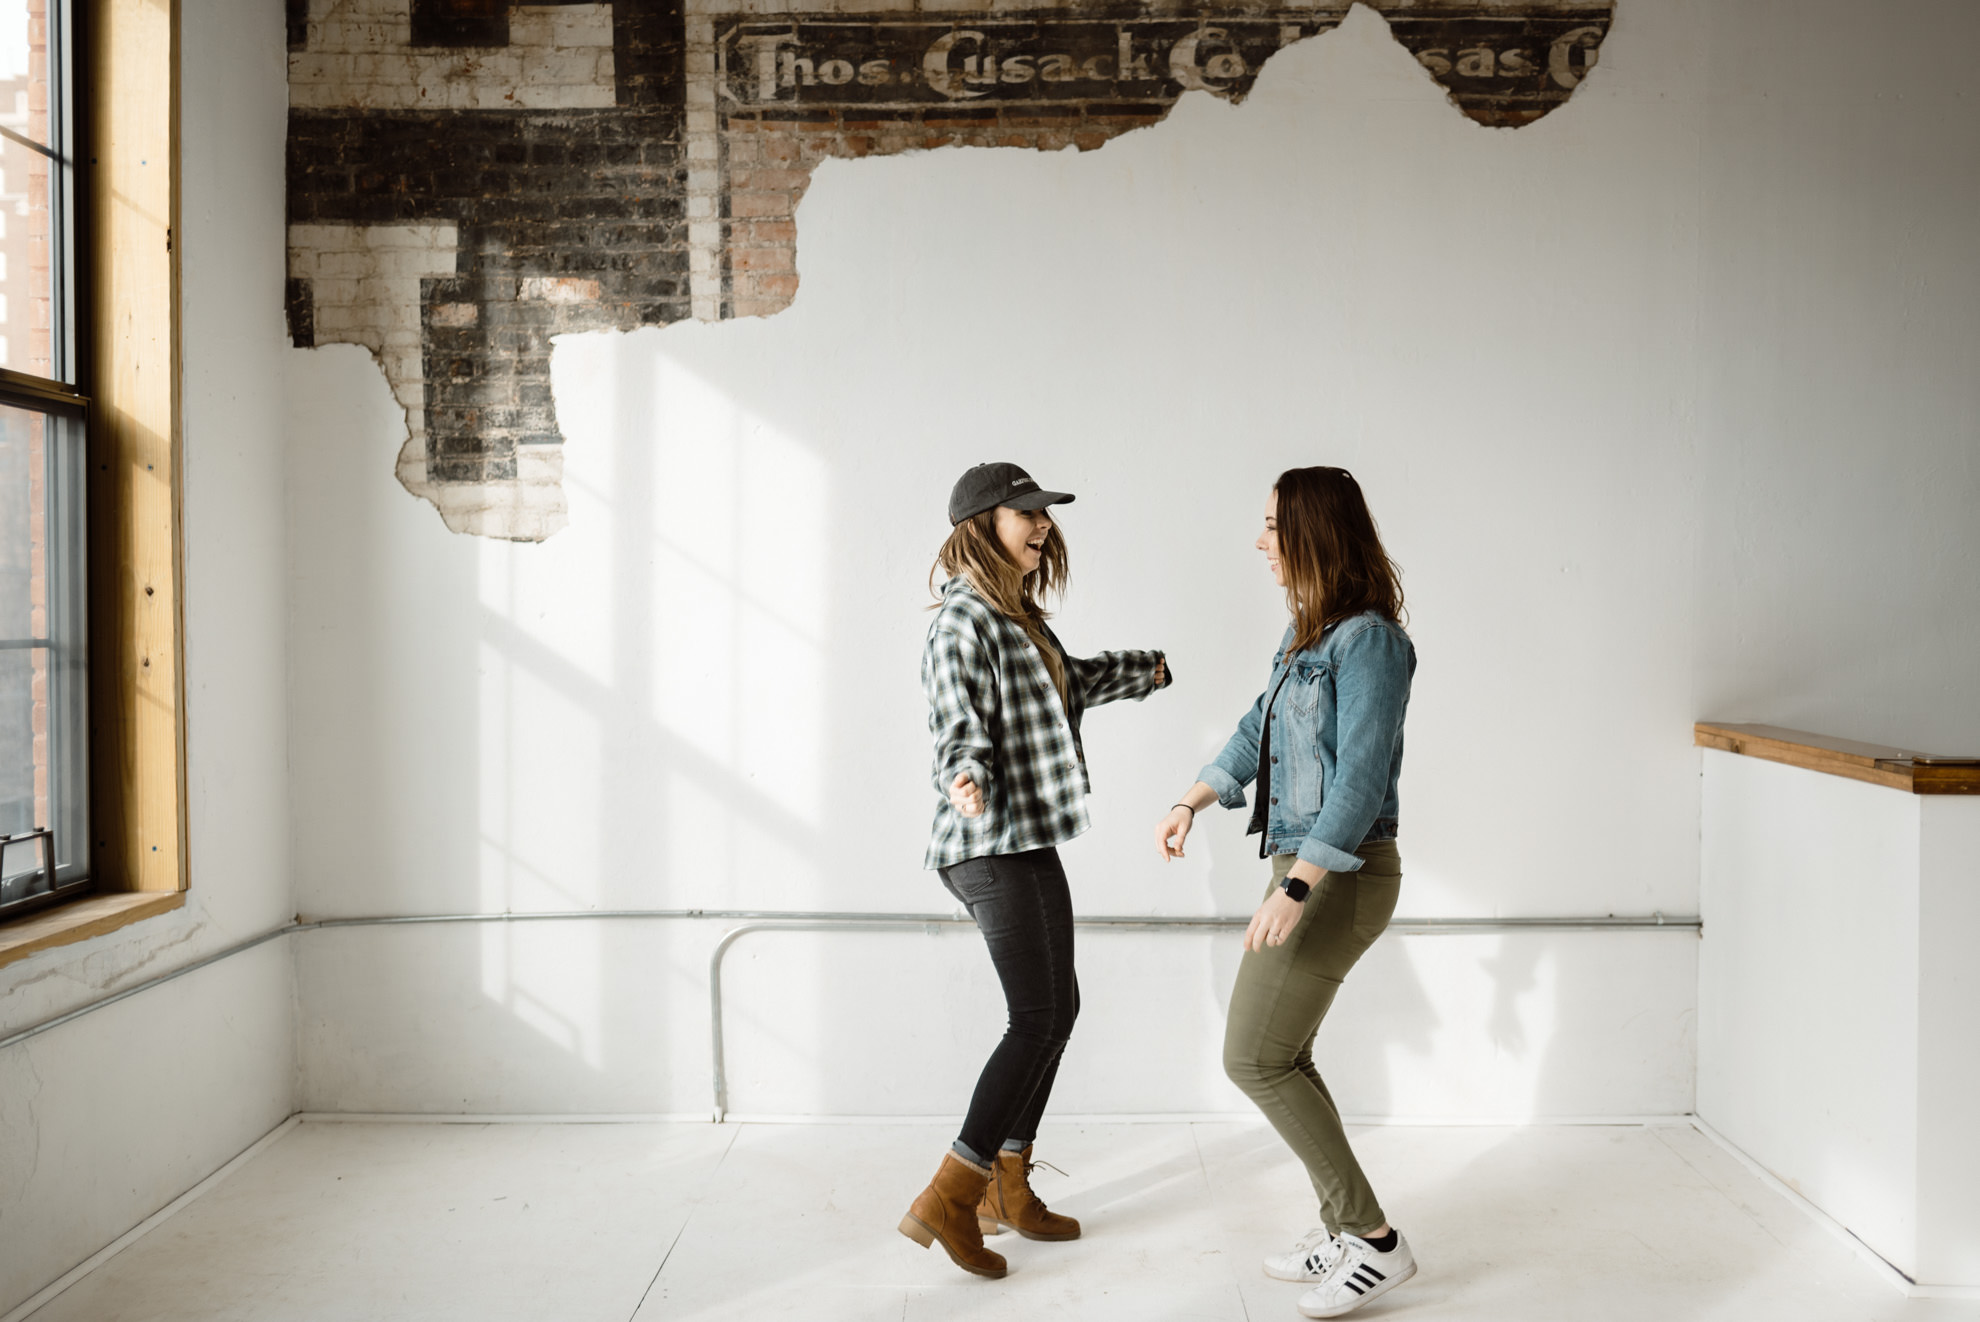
<point x="81" y="919"/>
<point x="1894" y="768"/>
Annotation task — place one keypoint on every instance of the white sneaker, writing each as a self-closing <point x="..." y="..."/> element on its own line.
<point x="1309" y="1260"/>
<point x="1359" y="1275"/>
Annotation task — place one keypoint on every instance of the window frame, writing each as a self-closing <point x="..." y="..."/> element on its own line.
<point x="123" y="107"/>
<point x="60" y="396"/>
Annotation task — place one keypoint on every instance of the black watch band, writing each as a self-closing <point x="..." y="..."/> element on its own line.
<point x="1296" y="888"/>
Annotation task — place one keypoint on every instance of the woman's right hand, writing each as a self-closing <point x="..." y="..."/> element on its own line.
<point x="1174" y="830"/>
<point x="966" y="795"/>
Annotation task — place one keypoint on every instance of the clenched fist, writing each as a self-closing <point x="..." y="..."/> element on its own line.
<point x="966" y="795"/>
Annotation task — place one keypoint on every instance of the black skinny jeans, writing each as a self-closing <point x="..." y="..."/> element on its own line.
<point x="1022" y="905"/>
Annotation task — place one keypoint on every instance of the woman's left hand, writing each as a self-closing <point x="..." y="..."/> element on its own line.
<point x="1161" y="671"/>
<point x="1273" y="922"/>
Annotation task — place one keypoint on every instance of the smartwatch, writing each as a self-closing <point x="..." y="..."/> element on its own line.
<point x="1296" y="888"/>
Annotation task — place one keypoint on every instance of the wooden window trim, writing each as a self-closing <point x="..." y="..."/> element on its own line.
<point x="79" y="920"/>
<point x="137" y="689"/>
<point x="130" y="359"/>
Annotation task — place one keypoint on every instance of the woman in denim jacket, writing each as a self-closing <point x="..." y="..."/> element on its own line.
<point x="1323" y="745"/>
<point x="1005" y="700"/>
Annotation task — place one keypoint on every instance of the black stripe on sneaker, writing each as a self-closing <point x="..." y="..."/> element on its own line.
<point x="1360" y="1279"/>
<point x="1352" y="1286"/>
<point x="1372" y="1272"/>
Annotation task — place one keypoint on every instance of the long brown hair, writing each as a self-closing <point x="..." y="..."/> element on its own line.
<point x="1331" y="553"/>
<point x="974" y="552"/>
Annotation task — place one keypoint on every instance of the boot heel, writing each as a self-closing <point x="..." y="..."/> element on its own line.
<point x="912" y="1227"/>
<point x="989" y="1227"/>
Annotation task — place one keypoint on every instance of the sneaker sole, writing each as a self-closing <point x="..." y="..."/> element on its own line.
<point x="1359" y="1301"/>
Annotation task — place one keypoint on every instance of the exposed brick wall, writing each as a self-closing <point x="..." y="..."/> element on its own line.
<point x="468" y="178"/>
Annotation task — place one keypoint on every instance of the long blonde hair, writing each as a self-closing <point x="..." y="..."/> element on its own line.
<point x="974" y="552"/>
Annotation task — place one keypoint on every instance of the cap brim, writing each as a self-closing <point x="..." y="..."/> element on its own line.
<point x="1037" y="500"/>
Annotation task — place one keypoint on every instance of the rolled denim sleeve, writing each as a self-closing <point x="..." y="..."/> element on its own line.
<point x="1237" y="766"/>
<point x="1111" y="676"/>
<point x="1371" y="691"/>
<point x="961" y="684"/>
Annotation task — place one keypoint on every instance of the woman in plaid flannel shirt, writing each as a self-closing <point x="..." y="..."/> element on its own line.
<point x="1004" y="707"/>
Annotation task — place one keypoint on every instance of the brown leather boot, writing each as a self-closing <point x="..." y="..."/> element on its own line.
<point x="1009" y="1201"/>
<point x="946" y="1211"/>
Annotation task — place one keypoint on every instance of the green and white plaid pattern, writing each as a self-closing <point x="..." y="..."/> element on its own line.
<point x="994" y="713"/>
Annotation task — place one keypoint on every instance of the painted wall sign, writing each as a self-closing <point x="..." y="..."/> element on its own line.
<point x="468" y="178"/>
<point x="1006" y="61"/>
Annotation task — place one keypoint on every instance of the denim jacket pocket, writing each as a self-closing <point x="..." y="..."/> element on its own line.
<point x="1308" y="693"/>
<point x="1303" y="691"/>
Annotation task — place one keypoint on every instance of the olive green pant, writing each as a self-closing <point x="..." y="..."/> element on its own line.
<point x="1282" y="994"/>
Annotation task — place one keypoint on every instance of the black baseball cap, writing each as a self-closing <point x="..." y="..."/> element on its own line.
<point x="987" y="486"/>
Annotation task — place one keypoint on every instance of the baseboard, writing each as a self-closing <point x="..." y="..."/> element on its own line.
<point x="55" y="1287"/>
<point x="1875" y="1260"/>
<point x="499" y="1118"/>
<point x="1089" y="1118"/>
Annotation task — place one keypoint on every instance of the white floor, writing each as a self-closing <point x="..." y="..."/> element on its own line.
<point x="650" y="1221"/>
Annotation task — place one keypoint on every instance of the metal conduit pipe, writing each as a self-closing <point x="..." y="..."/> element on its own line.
<point x="934" y="922"/>
<point x="801" y="920"/>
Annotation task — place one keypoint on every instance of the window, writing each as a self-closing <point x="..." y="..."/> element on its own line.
<point x="44" y="678"/>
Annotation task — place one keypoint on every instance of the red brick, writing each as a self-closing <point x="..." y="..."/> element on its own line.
<point x="769" y="181"/>
<point x="762" y="260"/>
<point x="779" y="149"/>
<point x="764" y="233"/>
<point x="745" y="205"/>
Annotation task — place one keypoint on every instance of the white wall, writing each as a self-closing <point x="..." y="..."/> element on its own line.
<point x="1665" y="404"/>
<point x="1839" y="306"/>
<point x="106" y="1119"/>
<point x="704" y="692"/>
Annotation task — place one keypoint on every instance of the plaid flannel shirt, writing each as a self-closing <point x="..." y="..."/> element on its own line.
<point x="994" y="712"/>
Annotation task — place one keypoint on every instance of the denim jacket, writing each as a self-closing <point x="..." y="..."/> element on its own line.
<point x="1337" y="742"/>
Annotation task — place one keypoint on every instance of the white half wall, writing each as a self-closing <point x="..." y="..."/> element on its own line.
<point x="1839" y="1010"/>
<point x="108" y="1118"/>
<point x="1808" y="988"/>
<point x="1949" y="1041"/>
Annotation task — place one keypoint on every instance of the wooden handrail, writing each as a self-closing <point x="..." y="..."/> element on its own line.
<point x="1895" y="768"/>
